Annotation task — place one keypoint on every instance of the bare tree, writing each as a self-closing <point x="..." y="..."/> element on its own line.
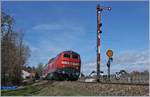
<point x="13" y="50"/>
<point x="39" y="69"/>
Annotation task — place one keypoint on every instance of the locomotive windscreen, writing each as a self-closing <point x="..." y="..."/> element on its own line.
<point x="66" y="55"/>
<point x="75" y="56"/>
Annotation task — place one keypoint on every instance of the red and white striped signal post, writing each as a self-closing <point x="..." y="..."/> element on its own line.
<point x="99" y="10"/>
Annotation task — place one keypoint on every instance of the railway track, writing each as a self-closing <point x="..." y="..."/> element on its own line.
<point x="115" y="83"/>
<point x="119" y="83"/>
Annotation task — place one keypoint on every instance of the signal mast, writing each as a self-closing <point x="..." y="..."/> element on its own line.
<point x="99" y="10"/>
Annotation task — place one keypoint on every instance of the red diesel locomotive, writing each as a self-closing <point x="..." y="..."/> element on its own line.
<point x="65" y="66"/>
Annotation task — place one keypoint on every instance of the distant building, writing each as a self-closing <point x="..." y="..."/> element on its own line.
<point x="33" y="72"/>
<point x="25" y="74"/>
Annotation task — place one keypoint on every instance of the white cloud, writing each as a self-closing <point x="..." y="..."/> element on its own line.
<point x="132" y="57"/>
<point x="128" y="60"/>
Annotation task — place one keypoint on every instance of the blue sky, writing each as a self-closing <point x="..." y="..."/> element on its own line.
<point x="51" y="27"/>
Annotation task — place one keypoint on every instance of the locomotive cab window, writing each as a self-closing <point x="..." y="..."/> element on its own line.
<point x="66" y="56"/>
<point x="75" y="56"/>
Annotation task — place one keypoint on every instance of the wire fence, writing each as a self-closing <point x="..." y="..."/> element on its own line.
<point x="128" y="78"/>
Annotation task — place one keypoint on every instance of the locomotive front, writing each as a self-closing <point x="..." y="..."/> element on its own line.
<point x="65" y="66"/>
<point x="69" y="65"/>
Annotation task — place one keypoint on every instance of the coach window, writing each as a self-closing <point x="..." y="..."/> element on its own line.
<point x="75" y="56"/>
<point x="66" y="56"/>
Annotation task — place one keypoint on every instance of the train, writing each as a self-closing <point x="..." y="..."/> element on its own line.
<point x="65" y="66"/>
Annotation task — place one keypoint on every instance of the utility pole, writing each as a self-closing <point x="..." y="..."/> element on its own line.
<point x="99" y="10"/>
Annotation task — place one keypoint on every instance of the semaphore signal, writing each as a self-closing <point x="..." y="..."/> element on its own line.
<point x="99" y="10"/>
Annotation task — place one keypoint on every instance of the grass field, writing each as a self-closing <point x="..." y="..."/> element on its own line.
<point x="47" y="89"/>
<point x="68" y="88"/>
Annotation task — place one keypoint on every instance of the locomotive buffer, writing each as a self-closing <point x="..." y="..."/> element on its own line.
<point x="99" y="10"/>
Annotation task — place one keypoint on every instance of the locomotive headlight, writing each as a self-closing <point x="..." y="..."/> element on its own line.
<point x="68" y="63"/>
<point x="64" y="62"/>
<point x="76" y="64"/>
<point x="71" y="63"/>
<point x="63" y="72"/>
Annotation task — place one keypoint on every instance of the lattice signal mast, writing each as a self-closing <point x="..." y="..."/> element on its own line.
<point x="99" y="10"/>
